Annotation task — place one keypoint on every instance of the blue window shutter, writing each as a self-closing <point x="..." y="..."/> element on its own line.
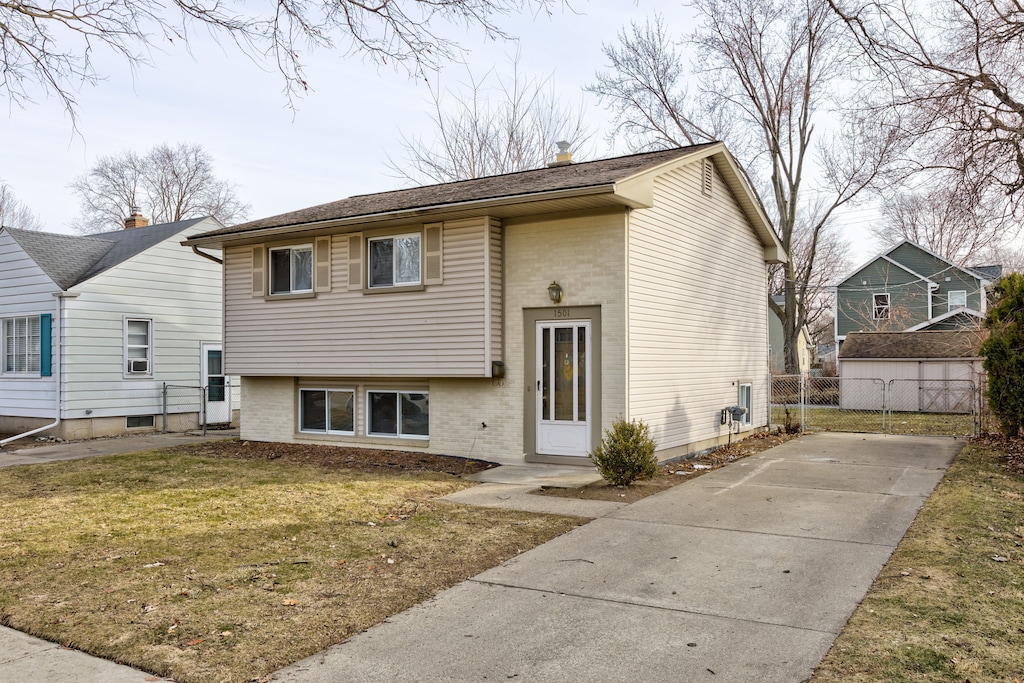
<point x="45" y="343"/>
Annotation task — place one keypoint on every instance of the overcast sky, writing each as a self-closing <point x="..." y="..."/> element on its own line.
<point x="335" y="144"/>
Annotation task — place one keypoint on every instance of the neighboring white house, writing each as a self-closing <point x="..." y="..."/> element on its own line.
<point x="777" y="342"/>
<point x="512" y="317"/>
<point x="92" y="327"/>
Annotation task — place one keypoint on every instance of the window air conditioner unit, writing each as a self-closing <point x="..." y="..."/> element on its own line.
<point x="138" y="365"/>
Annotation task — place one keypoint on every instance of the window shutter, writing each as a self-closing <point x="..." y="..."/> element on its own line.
<point x="322" y="265"/>
<point x="45" y="345"/>
<point x="355" y="261"/>
<point x="259" y="279"/>
<point x="708" y="174"/>
<point x="432" y="258"/>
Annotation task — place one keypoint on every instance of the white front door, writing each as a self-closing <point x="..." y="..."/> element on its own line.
<point x="563" y="388"/>
<point x="218" y="394"/>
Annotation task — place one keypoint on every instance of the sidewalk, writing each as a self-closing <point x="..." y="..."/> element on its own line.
<point x="746" y="573"/>
<point x="31" y="454"/>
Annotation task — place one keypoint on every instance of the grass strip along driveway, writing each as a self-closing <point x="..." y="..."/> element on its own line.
<point x="214" y="569"/>
<point x="949" y="605"/>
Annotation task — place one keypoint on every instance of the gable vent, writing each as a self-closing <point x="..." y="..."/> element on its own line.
<point x="707" y="176"/>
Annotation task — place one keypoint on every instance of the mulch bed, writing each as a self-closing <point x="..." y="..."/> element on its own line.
<point x="369" y="460"/>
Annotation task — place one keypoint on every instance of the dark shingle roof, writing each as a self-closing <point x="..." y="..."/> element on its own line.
<point x="921" y="344"/>
<point x="988" y="272"/>
<point x="573" y="176"/>
<point x="71" y="259"/>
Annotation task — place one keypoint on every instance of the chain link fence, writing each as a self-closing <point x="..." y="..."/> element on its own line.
<point x="896" y="406"/>
<point x="183" y="408"/>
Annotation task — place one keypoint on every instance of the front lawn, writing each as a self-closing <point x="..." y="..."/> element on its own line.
<point x="213" y="569"/>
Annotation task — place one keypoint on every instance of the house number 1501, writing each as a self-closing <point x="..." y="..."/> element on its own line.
<point x="562" y="313"/>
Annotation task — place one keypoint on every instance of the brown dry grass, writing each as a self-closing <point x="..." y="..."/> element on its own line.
<point x="217" y="569"/>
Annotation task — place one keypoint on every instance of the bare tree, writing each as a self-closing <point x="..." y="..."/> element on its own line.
<point x="14" y="213"/>
<point x="964" y="227"/>
<point x="766" y="70"/>
<point x="493" y="125"/>
<point x="956" y="74"/>
<point x="49" y="46"/>
<point x="168" y="184"/>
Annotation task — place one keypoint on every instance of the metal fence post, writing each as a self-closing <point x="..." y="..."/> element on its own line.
<point x="165" y="407"/>
<point x="202" y="407"/>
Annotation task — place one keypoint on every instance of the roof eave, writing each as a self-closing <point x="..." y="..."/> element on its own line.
<point x="421" y="212"/>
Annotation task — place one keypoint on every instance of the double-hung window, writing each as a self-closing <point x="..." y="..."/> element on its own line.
<point x="398" y="413"/>
<point x="138" y="346"/>
<point x="291" y="269"/>
<point x="880" y="306"/>
<point x="394" y="261"/>
<point x="957" y="299"/>
<point x="330" y="411"/>
<point x="21" y="345"/>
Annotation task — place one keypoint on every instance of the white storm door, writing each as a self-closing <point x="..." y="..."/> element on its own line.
<point x="563" y="388"/>
<point x="218" y="395"/>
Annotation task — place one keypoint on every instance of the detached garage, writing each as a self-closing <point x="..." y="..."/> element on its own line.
<point x="926" y="371"/>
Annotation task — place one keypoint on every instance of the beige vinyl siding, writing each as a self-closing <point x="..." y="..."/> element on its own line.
<point x="25" y="290"/>
<point x="497" y="289"/>
<point x="434" y="331"/>
<point x="697" y="311"/>
<point x="178" y="291"/>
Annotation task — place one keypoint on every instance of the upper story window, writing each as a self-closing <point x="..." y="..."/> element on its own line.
<point x="21" y="345"/>
<point x="394" y="261"/>
<point x="880" y="306"/>
<point x="957" y="299"/>
<point x="138" y="346"/>
<point x="291" y="269"/>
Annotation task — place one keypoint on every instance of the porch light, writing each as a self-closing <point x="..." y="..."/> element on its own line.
<point x="555" y="292"/>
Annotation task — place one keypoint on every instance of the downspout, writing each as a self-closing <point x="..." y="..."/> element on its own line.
<point x="58" y="354"/>
<point x="207" y="256"/>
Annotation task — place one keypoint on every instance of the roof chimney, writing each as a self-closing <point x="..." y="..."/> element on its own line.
<point x="564" y="156"/>
<point x="136" y="220"/>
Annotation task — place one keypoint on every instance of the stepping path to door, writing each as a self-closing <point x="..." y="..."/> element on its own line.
<point x="747" y="573"/>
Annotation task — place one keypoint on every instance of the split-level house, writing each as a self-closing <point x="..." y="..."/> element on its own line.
<point x="909" y="288"/>
<point x="512" y="317"/>
<point x="93" y="327"/>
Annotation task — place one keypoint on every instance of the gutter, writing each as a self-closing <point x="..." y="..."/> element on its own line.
<point x="213" y="258"/>
<point x="58" y="334"/>
<point x="293" y="228"/>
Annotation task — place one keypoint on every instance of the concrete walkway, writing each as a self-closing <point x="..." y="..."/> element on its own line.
<point x="744" y="574"/>
<point x="747" y="573"/>
<point x="32" y="454"/>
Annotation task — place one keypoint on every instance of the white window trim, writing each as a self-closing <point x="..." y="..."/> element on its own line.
<point x="949" y="299"/>
<point x="746" y="420"/>
<point x="3" y="346"/>
<point x="888" y="306"/>
<point x="125" y="360"/>
<point x="394" y="254"/>
<point x="330" y="390"/>
<point x="291" y="249"/>
<point x="398" y="418"/>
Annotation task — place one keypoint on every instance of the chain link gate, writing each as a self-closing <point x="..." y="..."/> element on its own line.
<point x="897" y="406"/>
<point x="183" y="408"/>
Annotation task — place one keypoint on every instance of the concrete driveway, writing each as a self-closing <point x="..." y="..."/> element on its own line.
<point x="745" y="574"/>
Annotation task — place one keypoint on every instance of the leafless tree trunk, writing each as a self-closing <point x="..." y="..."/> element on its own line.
<point x="48" y="47"/>
<point x="493" y="125"/>
<point x="767" y="69"/>
<point x="14" y="213"/>
<point x="168" y="184"/>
